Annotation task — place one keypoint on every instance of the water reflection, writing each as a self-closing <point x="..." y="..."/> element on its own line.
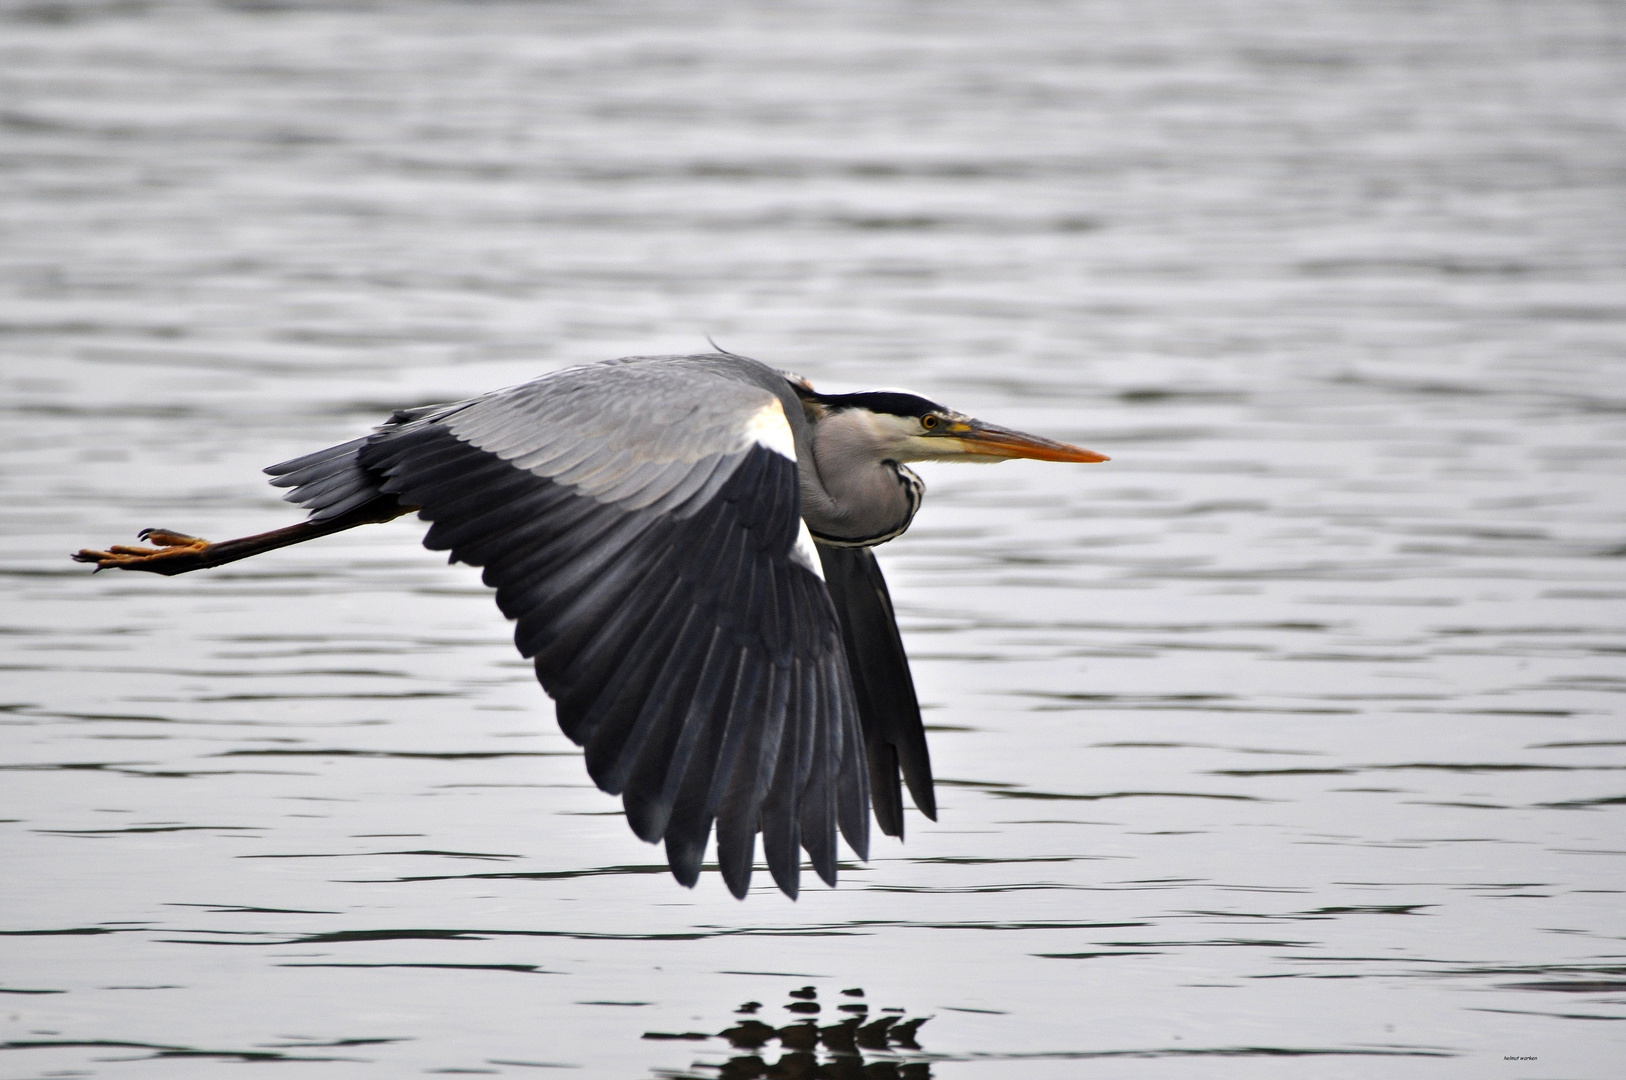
<point x="861" y="1047"/>
<point x="854" y="1047"/>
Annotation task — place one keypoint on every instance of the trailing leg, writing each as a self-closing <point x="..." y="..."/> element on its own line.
<point x="177" y="553"/>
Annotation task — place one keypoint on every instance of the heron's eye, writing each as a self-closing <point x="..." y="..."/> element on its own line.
<point x="928" y="421"/>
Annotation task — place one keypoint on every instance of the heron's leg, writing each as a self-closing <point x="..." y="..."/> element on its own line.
<point x="178" y="553"/>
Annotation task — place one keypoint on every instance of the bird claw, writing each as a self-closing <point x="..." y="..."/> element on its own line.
<point x="167" y="538"/>
<point x="172" y="546"/>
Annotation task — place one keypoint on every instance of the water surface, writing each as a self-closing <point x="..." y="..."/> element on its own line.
<point x="1289" y="740"/>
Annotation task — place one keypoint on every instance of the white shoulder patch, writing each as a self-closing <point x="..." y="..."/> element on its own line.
<point x="768" y="427"/>
<point x="805" y="553"/>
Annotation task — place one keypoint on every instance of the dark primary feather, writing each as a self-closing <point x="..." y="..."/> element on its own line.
<point x="698" y="664"/>
<point x="894" y="737"/>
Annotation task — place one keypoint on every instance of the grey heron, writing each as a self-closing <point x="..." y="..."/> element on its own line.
<point x="684" y="543"/>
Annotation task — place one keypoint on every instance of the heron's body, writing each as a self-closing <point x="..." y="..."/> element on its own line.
<point x="684" y="544"/>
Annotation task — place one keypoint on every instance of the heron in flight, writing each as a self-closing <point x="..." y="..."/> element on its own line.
<point x="685" y="545"/>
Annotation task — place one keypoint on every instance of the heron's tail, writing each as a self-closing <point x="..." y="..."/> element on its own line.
<point x="329" y="483"/>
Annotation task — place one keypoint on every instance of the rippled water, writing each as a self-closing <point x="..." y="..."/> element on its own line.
<point x="1293" y="731"/>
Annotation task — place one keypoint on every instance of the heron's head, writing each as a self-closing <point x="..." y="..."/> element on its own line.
<point x="899" y="426"/>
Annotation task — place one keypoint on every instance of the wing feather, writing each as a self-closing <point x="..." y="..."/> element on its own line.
<point x="781" y="823"/>
<point x="642" y="536"/>
<point x="665" y="772"/>
<point x="818" y="792"/>
<point x="614" y="750"/>
<point x="895" y="737"/>
<point x="739" y="812"/>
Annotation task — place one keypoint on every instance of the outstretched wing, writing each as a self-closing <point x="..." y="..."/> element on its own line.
<point x="894" y="737"/>
<point x="641" y="522"/>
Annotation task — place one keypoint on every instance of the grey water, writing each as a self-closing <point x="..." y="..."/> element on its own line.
<point x="1287" y="743"/>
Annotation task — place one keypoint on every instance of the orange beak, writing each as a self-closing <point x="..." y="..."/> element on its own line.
<point x="986" y="440"/>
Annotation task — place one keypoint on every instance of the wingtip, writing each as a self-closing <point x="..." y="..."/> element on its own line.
<point x="736" y="857"/>
<point x="788" y="879"/>
<point x="684" y="858"/>
<point x="922" y="790"/>
<point x="859" y="844"/>
<point x="854" y="826"/>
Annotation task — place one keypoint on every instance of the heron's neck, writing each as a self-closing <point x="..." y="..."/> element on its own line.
<point x="852" y="493"/>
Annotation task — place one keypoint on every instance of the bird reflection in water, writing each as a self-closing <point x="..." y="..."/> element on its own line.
<point x="853" y="1048"/>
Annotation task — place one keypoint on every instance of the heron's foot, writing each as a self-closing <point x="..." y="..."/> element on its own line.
<point x="176" y="553"/>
